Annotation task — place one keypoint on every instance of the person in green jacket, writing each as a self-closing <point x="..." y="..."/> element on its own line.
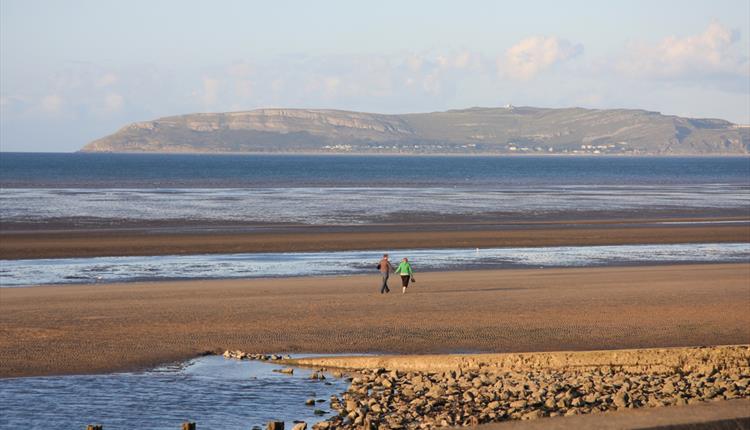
<point x="404" y="270"/>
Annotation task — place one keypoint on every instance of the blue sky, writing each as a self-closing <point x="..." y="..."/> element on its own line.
<point x="74" y="71"/>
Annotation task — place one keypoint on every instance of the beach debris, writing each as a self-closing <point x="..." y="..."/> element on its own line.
<point x="275" y="425"/>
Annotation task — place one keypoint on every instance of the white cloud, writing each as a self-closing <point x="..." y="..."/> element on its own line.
<point x="51" y="103"/>
<point x="113" y="102"/>
<point x="244" y="88"/>
<point x="241" y="69"/>
<point x="106" y="80"/>
<point x="331" y="85"/>
<point x="532" y="55"/>
<point x="210" y="92"/>
<point x="710" y="53"/>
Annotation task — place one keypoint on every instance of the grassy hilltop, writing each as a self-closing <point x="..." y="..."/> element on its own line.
<point x="511" y="130"/>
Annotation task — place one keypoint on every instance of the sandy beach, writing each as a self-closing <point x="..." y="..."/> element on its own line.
<point x="100" y="328"/>
<point x="209" y="239"/>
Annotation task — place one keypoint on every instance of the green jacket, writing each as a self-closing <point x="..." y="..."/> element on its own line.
<point x="404" y="269"/>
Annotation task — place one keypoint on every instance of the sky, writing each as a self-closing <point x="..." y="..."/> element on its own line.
<point x="73" y="71"/>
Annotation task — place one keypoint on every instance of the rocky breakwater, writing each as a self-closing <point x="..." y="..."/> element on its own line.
<point x="453" y="390"/>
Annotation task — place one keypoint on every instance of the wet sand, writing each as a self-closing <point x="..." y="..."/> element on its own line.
<point x="164" y="240"/>
<point x="98" y="328"/>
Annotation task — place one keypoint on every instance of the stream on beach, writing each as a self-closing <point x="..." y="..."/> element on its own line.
<point x="211" y="391"/>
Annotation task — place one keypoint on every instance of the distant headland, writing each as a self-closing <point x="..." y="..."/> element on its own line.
<point x="505" y="130"/>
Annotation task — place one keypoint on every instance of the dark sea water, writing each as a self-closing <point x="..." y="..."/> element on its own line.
<point x="112" y="189"/>
<point x="81" y="170"/>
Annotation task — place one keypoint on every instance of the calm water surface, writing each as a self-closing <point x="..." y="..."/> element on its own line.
<point x="80" y="170"/>
<point x="211" y="391"/>
<point x="107" y="189"/>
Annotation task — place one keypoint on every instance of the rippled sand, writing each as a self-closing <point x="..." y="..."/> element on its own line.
<point x="89" y="329"/>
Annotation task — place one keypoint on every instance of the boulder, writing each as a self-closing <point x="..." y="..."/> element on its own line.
<point x="621" y="399"/>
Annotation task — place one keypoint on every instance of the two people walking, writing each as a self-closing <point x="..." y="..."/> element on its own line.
<point x="404" y="270"/>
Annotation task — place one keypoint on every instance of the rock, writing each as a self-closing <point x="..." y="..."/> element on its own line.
<point x="621" y="399"/>
<point x="275" y="425"/>
<point x="286" y="371"/>
<point x="436" y="392"/>
<point x="300" y="426"/>
<point x="532" y="415"/>
<point x="590" y="398"/>
<point x="351" y="405"/>
<point x="518" y="404"/>
<point x="319" y="412"/>
<point x="310" y="402"/>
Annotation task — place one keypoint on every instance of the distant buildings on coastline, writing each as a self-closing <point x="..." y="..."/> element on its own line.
<point x="621" y="148"/>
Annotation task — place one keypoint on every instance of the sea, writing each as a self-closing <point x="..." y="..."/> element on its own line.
<point x="99" y="190"/>
<point x="182" y="192"/>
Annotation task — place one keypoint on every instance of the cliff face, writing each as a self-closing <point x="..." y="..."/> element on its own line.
<point x="472" y="131"/>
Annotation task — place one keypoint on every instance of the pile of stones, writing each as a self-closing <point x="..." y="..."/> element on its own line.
<point x="241" y="355"/>
<point x="380" y="399"/>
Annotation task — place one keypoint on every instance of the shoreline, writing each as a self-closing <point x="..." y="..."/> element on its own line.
<point x="133" y="326"/>
<point x="161" y="239"/>
<point x="469" y="269"/>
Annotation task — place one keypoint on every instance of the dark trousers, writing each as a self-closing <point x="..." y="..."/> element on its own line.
<point x="405" y="280"/>
<point x="384" y="288"/>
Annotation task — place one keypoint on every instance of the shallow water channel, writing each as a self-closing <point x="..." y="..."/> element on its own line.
<point x="270" y="265"/>
<point x="212" y="391"/>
